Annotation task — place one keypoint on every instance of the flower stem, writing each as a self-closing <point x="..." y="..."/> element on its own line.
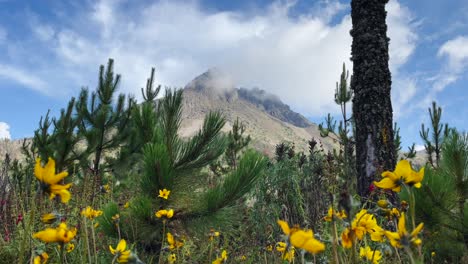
<point x="62" y="246"/>
<point x="334" y="243"/>
<point x="87" y="239"/>
<point x="94" y="241"/>
<point x="162" y="242"/>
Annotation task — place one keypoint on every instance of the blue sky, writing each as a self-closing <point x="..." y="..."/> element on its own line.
<point x="50" y="49"/>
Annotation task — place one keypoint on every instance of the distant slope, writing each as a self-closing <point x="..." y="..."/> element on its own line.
<point x="268" y="121"/>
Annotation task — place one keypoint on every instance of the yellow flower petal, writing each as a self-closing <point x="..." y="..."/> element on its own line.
<point x="49" y="235"/>
<point x="346" y="240"/>
<point x="403" y="169"/>
<point x="284" y="226"/>
<point x="122" y="245"/>
<point x="170" y="213"/>
<point x="402" y="225"/>
<point x="386" y="183"/>
<point x="417" y="230"/>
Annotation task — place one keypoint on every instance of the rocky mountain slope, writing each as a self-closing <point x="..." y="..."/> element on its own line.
<point x="268" y="120"/>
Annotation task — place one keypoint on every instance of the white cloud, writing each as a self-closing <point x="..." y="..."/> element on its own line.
<point x="456" y="50"/>
<point x="419" y="147"/>
<point x="455" y="53"/>
<point x="4" y="131"/>
<point x="298" y="59"/>
<point x="404" y="89"/>
<point x="402" y="33"/>
<point x="20" y="76"/>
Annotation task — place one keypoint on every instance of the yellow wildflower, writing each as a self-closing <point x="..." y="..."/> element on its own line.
<point x="49" y="180"/>
<point x="289" y="255"/>
<point x="164" y="193"/>
<point x="403" y="174"/>
<point x="305" y="240"/>
<point x="221" y="259"/>
<point x="90" y="213"/>
<point x="269" y="248"/>
<point x="172" y="258"/>
<point x="116" y="218"/>
<point x="60" y="234"/>
<point x="371" y="255"/>
<point x="167" y="213"/>
<point x="362" y="224"/>
<point x="402" y="237"/>
<point x="173" y="244"/>
<point x="50" y="218"/>
<point x="106" y="188"/>
<point x="126" y="205"/>
<point x="70" y="247"/>
<point x="382" y="203"/>
<point x="281" y="246"/>
<point x="213" y="234"/>
<point x="366" y="223"/>
<point x="121" y="251"/>
<point x="346" y="238"/>
<point x="41" y="259"/>
<point x="332" y="215"/>
<point x="302" y="238"/>
<point x="243" y="258"/>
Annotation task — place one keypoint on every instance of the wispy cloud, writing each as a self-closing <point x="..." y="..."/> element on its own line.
<point x="454" y="54"/>
<point x="18" y="75"/>
<point x="297" y="58"/>
<point x="4" y="131"/>
<point x="456" y="51"/>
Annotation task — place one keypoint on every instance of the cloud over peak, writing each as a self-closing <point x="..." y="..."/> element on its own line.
<point x="298" y="58"/>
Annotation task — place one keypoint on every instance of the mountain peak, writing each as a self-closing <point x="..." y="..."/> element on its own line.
<point x="216" y="84"/>
<point x="213" y="79"/>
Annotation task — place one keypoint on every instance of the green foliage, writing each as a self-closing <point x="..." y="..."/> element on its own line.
<point x="441" y="201"/>
<point x="141" y="130"/>
<point x="433" y="144"/>
<point x="396" y="139"/>
<point x="103" y="119"/>
<point x="106" y="223"/>
<point x="330" y="126"/>
<point x="236" y="142"/>
<point x="345" y="132"/>
<point x="343" y="94"/>
<point x="289" y="192"/>
<point x="237" y="184"/>
<point x="158" y="171"/>
<point x="411" y="152"/>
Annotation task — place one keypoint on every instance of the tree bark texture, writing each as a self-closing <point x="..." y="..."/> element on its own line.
<point x="371" y="82"/>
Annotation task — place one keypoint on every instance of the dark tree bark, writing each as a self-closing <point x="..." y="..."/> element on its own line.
<point x="371" y="82"/>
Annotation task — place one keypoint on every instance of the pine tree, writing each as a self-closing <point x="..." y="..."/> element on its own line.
<point x="140" y="130"/>
<point x="236" y="142"/>
<point x="441" y="203"/>
<point x="343" y="96"/>
<point x="411" y="152"/>
<point x="371" y="83"/>
<point x="330" y="126"/>
<point x="439" y="132"/>
<point x="174" y="163"/>
<point x="396" y="139"/>
<point x="104" y="120"/>
<point x="56" y="138"/>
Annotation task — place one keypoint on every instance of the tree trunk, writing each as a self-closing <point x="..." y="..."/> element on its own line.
<point x="371" y="81"/>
